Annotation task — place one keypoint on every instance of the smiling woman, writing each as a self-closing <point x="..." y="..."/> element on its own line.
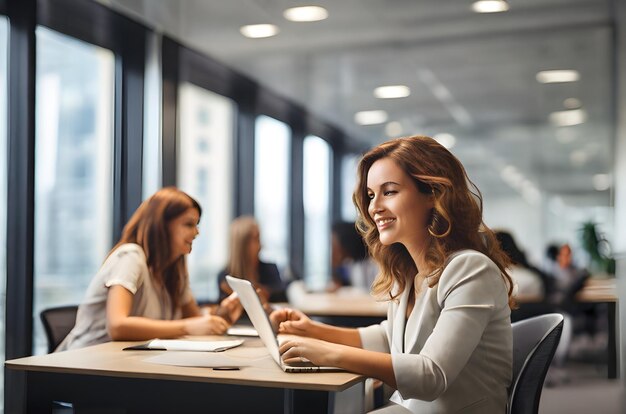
<point x="446" y="345"/>
<point x="142" y="289"/>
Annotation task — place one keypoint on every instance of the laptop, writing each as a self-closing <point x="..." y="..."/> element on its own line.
<point x="252" y="304"/>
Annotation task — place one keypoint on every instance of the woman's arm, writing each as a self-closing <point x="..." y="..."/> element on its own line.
<point x="291" y="321"/>
<point x="191" y="308"/>
<point x="369" y="363"/>
<point x="328" y="345"/>
<point x="122" y="327"/>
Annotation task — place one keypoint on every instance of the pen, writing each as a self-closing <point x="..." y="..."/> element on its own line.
<point x="225" y="368"/>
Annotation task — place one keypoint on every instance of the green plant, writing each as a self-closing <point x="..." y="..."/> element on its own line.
<point x="598" y="248"/>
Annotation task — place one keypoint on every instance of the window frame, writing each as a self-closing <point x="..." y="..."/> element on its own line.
<point x="181" y="63"/>
<point x="96" y="24"/>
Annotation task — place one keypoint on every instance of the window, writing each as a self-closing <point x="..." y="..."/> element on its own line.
<point x="152" y="119"/>
<point x="271" y="203"/>
<point x="73" y="168"/>
<point x="348" y="183"/>
<point x="3" y="184"/>
<point x="316" y="198"/>
<point x="205" y="173"/>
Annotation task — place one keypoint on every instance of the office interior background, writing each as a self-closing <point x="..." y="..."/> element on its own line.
<point x="102" y="103"/>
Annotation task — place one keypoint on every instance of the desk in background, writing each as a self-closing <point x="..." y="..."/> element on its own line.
<point x="600" y="291"/>
<point x="347" y="306"/>
<point x="105" y="377"/>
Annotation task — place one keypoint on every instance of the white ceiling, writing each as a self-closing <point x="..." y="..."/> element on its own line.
<point x="496" y="109"/>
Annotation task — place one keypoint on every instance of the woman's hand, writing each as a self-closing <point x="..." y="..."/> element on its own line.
<point x="320" y="353"/>
<point x="205" y="325"/>
<point x="230" y="308"/>
<point x="291" y="321"/>
<point x="263" y="292"/>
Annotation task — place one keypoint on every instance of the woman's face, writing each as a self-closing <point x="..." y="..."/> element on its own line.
<point x="400" y="211"/>
<point x="564" y="258"/>
<point x="183" y="230"/>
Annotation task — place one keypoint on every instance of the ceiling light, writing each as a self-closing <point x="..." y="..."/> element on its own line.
<point x="447" y="140"/>
<point x="568" y="118"/>
<point x="370" y="117"/>
<point x="511" y="176"/>
<point x="557" y="76"/>
<point x="394" y="129"/>
<point x="392" y="91"/>
<point x="578" y="158"/>
<point x="306" y="14"/>
<point x="572" y="103"/>
<point x="602" y="182"/>
<point x="258" y="31"/>
<point x="490" y="6"/>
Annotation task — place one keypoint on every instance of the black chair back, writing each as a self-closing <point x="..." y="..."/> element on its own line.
<point x="58" y="322"/>
<point x="534" y="343"/>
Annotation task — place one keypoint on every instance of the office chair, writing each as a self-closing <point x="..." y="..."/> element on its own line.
<point x="57" y="323"/>
<point x="534" y="342"/>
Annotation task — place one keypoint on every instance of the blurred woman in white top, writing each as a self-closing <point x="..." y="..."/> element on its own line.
<point x="142" y="289"/>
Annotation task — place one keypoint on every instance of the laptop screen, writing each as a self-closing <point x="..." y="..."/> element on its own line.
<point x="252" y="304"/>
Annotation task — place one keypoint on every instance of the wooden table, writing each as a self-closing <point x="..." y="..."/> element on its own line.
<point x="598" y="290"/>
<point x="105" y="377"/>
<point x="347" y="306"/>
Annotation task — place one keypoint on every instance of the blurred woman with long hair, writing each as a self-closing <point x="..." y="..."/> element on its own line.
<point x="142" y="289"/>
<point x="244" y="262"/>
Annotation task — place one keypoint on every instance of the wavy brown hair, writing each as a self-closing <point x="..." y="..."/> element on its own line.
<point x="148" y="227"/>
<point x="456" y="219"/>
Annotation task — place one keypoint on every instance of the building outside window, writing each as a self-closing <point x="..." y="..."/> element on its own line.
<point x="73" y="169"/>
<point x="316" y="198"/>
<point x="271" y="188"/>
<point x="205" y="165"/>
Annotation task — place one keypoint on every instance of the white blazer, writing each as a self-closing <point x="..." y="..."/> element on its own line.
<point x="455" y="355"/>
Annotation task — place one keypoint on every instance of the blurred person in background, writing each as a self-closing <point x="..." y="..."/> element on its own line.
<point x="244" y="262"/>
<point x="549" y="263"/>
<point x="350" y="261"/>
<point x="534" y="288"/>
<point x="568" y="277"/>
<point x="142" y="289"/>
<point x="530" y="281"/>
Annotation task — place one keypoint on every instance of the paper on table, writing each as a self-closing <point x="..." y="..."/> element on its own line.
<point x="193" y="359"/>
<point x="242" y="331"/>
<point x="183" y="345"/>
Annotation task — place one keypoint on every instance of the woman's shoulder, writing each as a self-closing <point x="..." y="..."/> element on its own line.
<point x="469" y="257"/>
<point x="467" y="264"/>
<point x="475" y="273"/>
<point x="128" y="250"/>
<point x="267" y="267"/>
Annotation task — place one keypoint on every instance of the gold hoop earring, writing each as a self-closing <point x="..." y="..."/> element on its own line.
<point x="435" y="223"/>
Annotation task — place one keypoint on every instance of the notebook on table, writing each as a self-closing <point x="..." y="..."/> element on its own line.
<point x="252" y="304"/>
